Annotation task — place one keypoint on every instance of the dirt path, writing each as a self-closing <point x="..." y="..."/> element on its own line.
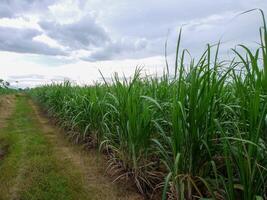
<point x="7" y="104"/>
<point x="41" y="164"/>
<point x="90" y="163"/>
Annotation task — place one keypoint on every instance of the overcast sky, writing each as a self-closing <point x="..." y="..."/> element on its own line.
<point x="52" y="40"/>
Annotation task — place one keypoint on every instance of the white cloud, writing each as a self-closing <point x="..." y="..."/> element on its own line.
<point x="19" y="23"/>
<point x="31" y="74"/>
<point x="49" y="41"/>
<point x="65" y="11"/>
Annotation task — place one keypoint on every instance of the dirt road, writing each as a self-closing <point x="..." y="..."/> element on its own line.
<point x="38" y="162"/>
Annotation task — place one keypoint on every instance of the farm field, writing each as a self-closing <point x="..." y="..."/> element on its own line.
<point x="199" y="131"/>
<point x="199" y="134"/>
<point x="36" y="162"/>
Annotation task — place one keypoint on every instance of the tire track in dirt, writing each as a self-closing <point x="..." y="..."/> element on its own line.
<point x="7" y="105"/>
<point x="91" y="164"/>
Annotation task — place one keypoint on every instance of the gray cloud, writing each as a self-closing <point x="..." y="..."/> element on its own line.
<point x="83" y="34"/>
<point x="21" y="41"/>
<point x="5" y="10"/>
<point x="27" y="76"/>
<point x="118" y="49"/>
<point x="207" y="21"/>
<point x="12" y="8"/>
<point x="132" y="29"/>
<point x="86" y="34"/>
<point x="145" y="19"/>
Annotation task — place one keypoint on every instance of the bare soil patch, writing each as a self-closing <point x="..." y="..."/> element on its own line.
<point x="7" y="105"/>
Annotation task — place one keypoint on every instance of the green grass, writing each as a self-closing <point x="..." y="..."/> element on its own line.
<point x="7" y="91"/>
<point x="200" y="133"/>
<point x="30" y="169"/>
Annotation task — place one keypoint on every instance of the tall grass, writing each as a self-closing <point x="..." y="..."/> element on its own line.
<point x="199" y="134"/>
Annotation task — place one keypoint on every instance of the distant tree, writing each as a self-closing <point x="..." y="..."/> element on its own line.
<point x="1" y="83"/>
<point x="4" y="84"/>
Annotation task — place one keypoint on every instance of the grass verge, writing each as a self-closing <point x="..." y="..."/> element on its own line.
<point x="30" y="170"/>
